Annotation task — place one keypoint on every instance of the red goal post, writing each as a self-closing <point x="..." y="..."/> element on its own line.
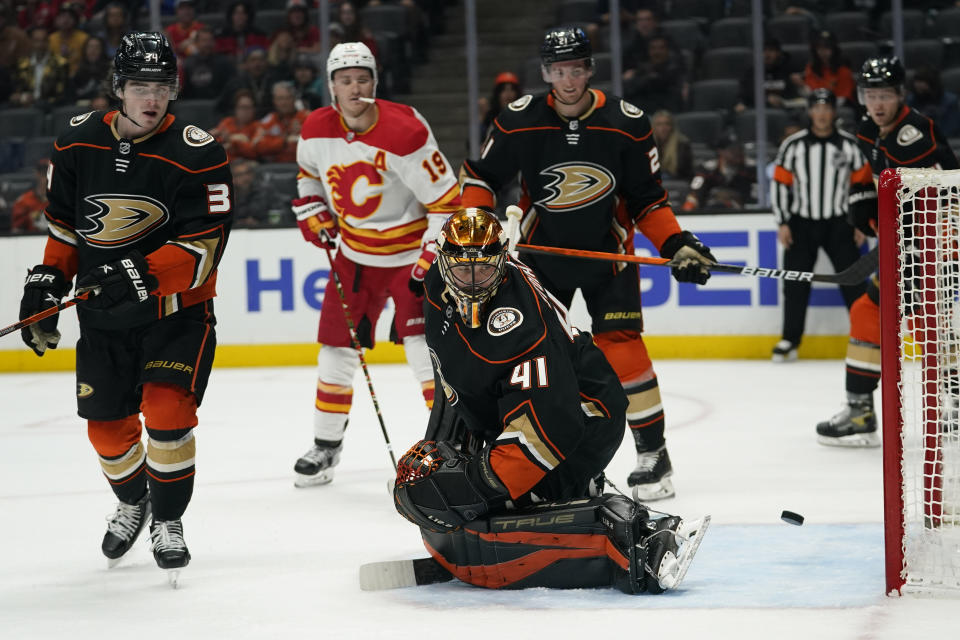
<point x="919" y="223"/>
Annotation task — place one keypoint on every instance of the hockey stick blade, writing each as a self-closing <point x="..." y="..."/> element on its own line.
<point x="46" y="313"/>
<point x="396" y="574"/>
<point x="854" y="274"/>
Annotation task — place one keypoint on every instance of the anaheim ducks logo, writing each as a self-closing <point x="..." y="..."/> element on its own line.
<point x="575" y="185"/>
<point x="195" y="136"/>
<point x="76" y="121"/>
<point x="121" y="219"/>
<point x="84" y="390"/>
<point x="351" y="189"/>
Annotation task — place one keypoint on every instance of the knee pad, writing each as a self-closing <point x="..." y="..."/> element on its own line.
<point x="113" y="438"/>
<point x="627" y="354"/>
<point x="865" y="320"/>
<point x="167" y="407"/>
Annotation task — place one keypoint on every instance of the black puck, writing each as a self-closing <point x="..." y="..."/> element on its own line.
<point x="792" y="518"/>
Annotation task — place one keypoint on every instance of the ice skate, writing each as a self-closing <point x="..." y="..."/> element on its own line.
<point x="854" y="426"/>
<point x="169" y="549"/>
<point x="669" y="551"/>
<point x="784" y="351"/>
<point x="123" y="528"/>
<point x="316" y="466"/>
<point x="651" y="477"/>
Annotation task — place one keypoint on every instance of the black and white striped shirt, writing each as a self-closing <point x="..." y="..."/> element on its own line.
<point x="812" y="175"/>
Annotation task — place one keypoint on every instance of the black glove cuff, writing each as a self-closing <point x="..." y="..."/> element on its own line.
<point x="140" y="263"/>
<point x="683" y="239"/>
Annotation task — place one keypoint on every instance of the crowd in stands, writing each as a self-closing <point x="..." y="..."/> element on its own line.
<point x="251" y="71"/>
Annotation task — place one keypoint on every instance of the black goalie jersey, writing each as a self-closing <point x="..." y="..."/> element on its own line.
<point x="167" y="195"/>
<point x="587" y="181"/>
<point x="539" y="394"/>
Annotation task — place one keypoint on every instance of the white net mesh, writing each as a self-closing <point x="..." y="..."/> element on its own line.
<point x="927" y="289"/>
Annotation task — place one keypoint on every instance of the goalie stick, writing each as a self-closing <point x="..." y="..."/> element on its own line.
<point x="46" y="313"/>
<point x="395" y="574"/>
<point x="854" y="274"/>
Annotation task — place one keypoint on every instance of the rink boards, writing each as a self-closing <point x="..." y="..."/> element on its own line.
<point x="271" y="283"/>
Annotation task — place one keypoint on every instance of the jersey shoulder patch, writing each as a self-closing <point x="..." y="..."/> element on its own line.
<point x="503" y="320"/>
<point x="908" y="134"/>
<point x="520" y="103"/>
<point x="195" y="136"/>
<point x="76" y="121"/>
<point x="630" y="110"/>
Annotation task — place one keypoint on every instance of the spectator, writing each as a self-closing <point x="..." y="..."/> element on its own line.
<point x="101" y="102"/>
<point x="93" y="74"/>
<point x="828" y="70"/>
<point x="256" y="78"/>
<point x="928" y="96"/>
<point x="780" y="85"/>
<point x="355" y="31"/>
<point x="278" y="133"/>
<point x="27" y="212"/>
<point x="724" y="182"/>
<point x="660" y="82"/>
<point x="236" y="132"/>
<point x="183" y="32"/>
<point x="628" y="15"/>
<point x="115" y="25"/>
<point x="308" y="88"/>
<point x="35" y="13"/>
<point x="645" y="24"/>
<point x="42" y="77"/>
<point x="240" y="36"/>
<point x="282" y="55"/>
<point x="67" y="41"/>
<point x="306" y="36"/>
<point x="506" y="89"/>
<point x="206" y="73"/>
<point x="14" y="41"/>
<point x="256" y="204"/>
<point x="676" y="153"/>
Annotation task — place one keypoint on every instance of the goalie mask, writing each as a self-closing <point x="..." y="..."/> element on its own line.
<point x="472" y="260"/>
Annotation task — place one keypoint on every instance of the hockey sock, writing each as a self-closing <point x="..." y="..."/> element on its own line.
<point x="121" y="455"/>
<point x="170" y="468"/>
<point x="415" y="348"/>
<point x="863" y="367"/>
<point x="645" y="414"/>
<point x="336" y="367"/>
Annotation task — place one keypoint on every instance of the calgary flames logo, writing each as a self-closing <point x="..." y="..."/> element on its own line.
<point x="121" y="219"/>
<point x="350" y="198"/>
<point x="575" y="185"/>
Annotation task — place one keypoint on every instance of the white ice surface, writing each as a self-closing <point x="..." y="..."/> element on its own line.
<point x="273" y="561"/>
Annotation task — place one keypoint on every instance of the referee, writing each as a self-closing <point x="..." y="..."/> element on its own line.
<point x="809" y="192"/>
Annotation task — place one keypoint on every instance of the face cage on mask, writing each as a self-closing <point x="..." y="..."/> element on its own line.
<point x="471" y="305"/>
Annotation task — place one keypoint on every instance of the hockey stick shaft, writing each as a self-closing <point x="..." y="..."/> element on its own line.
<point x="355" y="339"/>
<point x="514" y="213"/>
<point x="854" y="274"/>
<point x="46" y="313"/>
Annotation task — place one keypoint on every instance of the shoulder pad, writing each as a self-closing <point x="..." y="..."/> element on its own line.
<point x="629" y="110"/>
<point x="194" y="136"/>
<point x="520" y="103"/>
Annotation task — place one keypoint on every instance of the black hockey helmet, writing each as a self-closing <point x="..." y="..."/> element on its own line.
<point x="565" y="43"/>
<point x="877" y="73"/>
<point x="822" y="96"/>
<point x="148" y="57"/>
<point x="471" y="257"/>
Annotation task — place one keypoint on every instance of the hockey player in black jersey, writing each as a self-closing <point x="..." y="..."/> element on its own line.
<point x="890" y="135"/>
<point x="140" y="207"/>
<point x="539" y="414"/>
<point x="590" y="171"/>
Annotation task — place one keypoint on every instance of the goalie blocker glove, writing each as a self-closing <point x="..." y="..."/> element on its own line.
<point x="125" y="282"/>
<point x="315" y="221"/>
<point x="691" y="255"/>
<point x="44" y="287"/>
<point x="440" y="489"/>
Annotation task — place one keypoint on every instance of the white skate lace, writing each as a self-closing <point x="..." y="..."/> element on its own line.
<point x="123" y="523"/>
<point x="319" y="455"/>
<point x="647" y="461"/>
<point x="168" y="536"/>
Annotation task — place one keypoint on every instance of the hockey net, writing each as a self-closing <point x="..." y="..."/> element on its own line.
<point x="919" y="220"/>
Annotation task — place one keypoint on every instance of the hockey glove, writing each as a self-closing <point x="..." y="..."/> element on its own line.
<point x="436" y="490"/>
<point x="315" y="221"/>
<point x="690" y="255"/>
<point x="419" y="271"/>
<point x="118" y="284"/>
<point x="862" y="212"/>
<point x="44" y="288"/>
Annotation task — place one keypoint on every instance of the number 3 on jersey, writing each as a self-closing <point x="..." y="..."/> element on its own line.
<point x="523" y="373"/>
<point x="218" y="198"/>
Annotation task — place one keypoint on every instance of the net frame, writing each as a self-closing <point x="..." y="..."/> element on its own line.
<point x="919" y="222"/>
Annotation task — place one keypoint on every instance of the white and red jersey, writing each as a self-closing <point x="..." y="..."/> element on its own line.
<point x="390" y="186"/>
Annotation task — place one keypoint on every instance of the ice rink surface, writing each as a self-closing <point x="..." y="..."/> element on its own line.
<point x="273" y="561"/>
